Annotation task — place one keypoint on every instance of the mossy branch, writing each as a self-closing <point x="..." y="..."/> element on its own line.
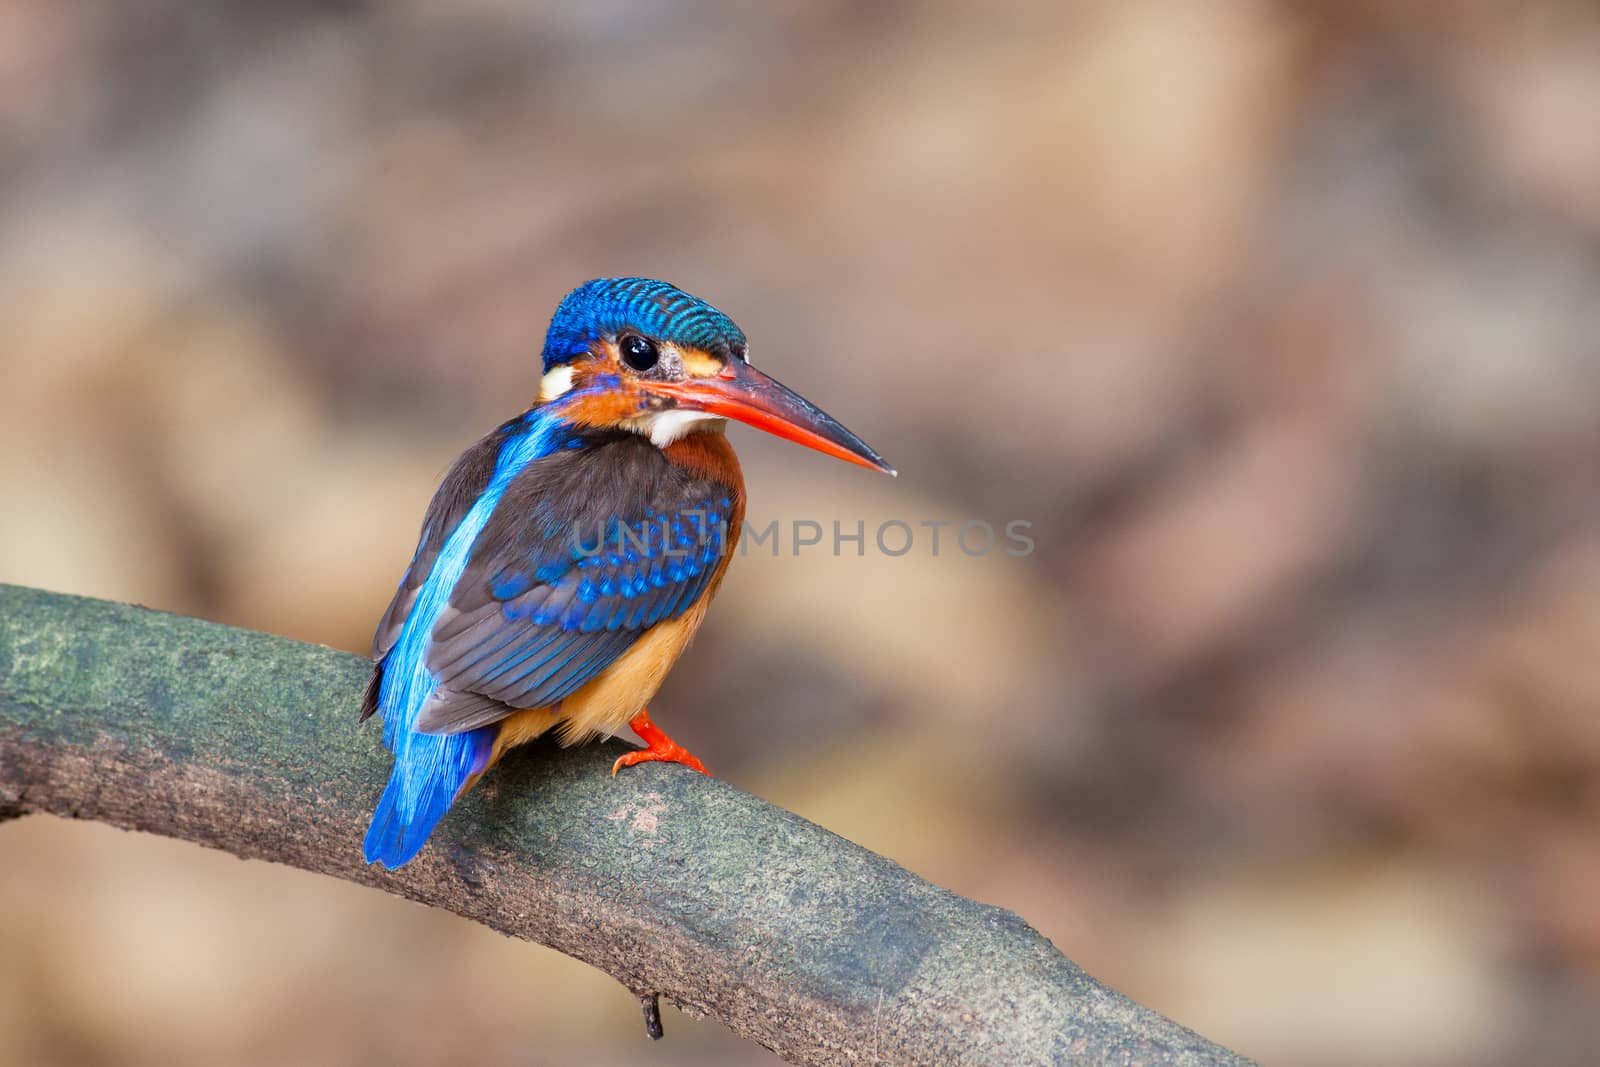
<point x="674" y="883"/>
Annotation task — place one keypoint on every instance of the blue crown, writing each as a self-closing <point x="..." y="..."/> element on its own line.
<point x="606" y="307"/>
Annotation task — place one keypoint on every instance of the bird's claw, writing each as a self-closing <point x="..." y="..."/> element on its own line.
<point x="658" y="747"/>
<point x="669" y="753"/>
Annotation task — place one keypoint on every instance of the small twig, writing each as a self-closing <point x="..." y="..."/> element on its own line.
<point x="651" y="1003"/>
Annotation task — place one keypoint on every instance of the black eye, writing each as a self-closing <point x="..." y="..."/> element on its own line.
<point x="640" y="353"/>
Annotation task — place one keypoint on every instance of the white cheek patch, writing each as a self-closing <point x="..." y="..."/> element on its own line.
<point x="665" y="427"/>
<point x="557" y="381"/>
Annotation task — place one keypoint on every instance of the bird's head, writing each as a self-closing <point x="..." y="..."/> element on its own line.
<point x="645" y="356"/>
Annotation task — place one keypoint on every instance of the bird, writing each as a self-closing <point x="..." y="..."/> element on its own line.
<point x="568" y="557"/>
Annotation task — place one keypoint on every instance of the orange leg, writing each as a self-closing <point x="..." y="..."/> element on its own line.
<point x="658" y="746"/>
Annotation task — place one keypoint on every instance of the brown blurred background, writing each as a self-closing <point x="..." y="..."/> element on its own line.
<point x="1280" y="324"/>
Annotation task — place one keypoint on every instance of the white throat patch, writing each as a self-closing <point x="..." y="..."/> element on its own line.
<point x="665" y="427"/>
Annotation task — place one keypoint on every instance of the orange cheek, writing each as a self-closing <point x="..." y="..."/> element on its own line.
<point x="604" y="396"/>
<point x="604" y="409"/>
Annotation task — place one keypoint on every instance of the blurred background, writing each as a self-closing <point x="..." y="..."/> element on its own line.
<point x="1279" y="323"/>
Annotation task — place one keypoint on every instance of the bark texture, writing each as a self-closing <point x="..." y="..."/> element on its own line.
<point x="676" y="884"/>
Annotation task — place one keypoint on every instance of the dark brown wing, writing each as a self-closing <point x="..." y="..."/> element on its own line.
<point x="589" y="548"/>
<point x="465" y="482"/>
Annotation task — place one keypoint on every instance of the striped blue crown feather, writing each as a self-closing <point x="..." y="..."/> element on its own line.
<point x="608" y="306"/>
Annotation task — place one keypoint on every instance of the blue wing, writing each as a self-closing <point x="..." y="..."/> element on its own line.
<point x="590" y="547"/>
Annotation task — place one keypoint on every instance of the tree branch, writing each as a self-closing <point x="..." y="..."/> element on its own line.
<point x="676" y="884"/>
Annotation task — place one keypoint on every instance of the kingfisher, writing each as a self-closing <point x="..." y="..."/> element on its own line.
<point x="568" y="558"/>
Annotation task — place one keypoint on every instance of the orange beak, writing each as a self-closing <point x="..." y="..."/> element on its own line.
<point x="741" y="392"/>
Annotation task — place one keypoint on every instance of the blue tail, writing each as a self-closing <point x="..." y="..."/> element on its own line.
<point x="429" y="772"/>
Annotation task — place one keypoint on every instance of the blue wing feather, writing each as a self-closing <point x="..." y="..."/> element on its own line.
<point x="540" y="609"/>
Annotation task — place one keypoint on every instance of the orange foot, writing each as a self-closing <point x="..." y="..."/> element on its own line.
<point x="658" y="746"/>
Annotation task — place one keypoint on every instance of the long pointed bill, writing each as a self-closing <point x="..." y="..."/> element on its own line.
<point x="756" y="399"/>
